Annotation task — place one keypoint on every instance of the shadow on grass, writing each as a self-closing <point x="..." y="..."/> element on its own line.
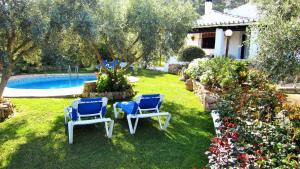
<point x="182" y="146"/>
<point x="11" y="130"/>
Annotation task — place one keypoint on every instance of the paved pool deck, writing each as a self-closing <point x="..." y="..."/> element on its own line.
<point x="44" y="93"/>
<point x="66" y="92"/>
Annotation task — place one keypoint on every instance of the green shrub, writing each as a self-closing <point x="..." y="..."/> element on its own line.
<point x="190" y="53"/>
<point x="112" y="82"/>
<point x="219" y="72"/>
<point x="196" y="68"/>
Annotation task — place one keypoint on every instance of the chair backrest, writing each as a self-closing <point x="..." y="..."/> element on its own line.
<point x="150" y="101"/>
<point x="90" y="106"/>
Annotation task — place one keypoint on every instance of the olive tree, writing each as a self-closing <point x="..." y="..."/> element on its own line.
<point x="22" y="27"/>
<point x="31" y="29"/>
<point x="278" y="39"/>
<point x="134" y="30"/>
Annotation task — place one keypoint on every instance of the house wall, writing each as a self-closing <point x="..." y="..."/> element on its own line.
<point x="254" y="48"/>
<point x="197" y="42"/>
<point x="235" y="44"/>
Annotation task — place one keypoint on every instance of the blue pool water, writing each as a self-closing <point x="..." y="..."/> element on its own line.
<point x="50" y="82"/>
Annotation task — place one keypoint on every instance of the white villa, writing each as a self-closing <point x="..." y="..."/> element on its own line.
<point x="221" y="33"/>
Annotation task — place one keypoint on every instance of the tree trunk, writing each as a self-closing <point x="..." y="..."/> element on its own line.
<point x="6" y="73"/>
<point x="295" y="82"/>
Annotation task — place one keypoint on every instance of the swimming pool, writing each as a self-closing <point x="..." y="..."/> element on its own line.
<point x="55" y="81"/>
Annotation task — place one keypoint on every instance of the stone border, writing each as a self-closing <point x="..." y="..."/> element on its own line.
<point x="290" y="89"/>
<point x="208" y="98"/>
<point x="129" y="93"/>
<point x="89" y="90"/>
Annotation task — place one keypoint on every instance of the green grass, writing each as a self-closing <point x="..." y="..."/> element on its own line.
<point x="36" y="136"/>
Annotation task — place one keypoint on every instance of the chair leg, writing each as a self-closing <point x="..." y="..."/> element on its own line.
<point x="159" y="122"/>
<point x="111" y="127"/>
<point x="106" y="128"/>
<point x="66" y="116"/>
<point x="70" y="132"/>
<point x="115" y="110"/>
<point x="167" y="122"/>
<point x="135" y="124"/>
<point x="130" y="125"/>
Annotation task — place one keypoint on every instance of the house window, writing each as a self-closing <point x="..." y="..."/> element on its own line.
<point x="208" y="40"/>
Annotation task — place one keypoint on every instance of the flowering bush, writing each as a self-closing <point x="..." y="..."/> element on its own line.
<point x="113" y="81"/>
<point x="219" y="72"/>
<point x="196" y="68"/>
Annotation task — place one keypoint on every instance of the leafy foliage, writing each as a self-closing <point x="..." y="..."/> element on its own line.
<point x="196" y="68"/>
<point x="112" y="82"/>
<point x="279" y="33"/>
<point x="257" y="130"/>
<point x="23" y="27"/>
<point x="132" y="29"/>
<point x="220" y="72"/>
<point x="190" y="53"/>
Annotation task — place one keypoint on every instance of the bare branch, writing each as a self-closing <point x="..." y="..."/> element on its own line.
<point x="23" y="44"/>
<point x="133" y="43"/>
<point x="95" y="48"/>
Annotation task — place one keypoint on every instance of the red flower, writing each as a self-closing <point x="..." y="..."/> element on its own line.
<point x="231" y="125"/>
<point x="243" y="157"/>
<point x="226" y="119"/>
<point x="216" y="140"/>
<point x="214" y="150"/>
<point x="259" y="152"/>
<point x="235" y="135"/>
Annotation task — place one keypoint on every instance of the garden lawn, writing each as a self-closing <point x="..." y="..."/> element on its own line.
<point x="36" y="136"/>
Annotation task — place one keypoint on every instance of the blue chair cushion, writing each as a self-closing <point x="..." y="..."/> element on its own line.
<point x="150" y="95"/>
<point x="91" y="106"/>
<point x="91" y="99"/>
<point x="128" y="107"/>
<point x="149" y="101"/>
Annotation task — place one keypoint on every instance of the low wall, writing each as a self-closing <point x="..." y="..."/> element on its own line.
<point x="209" y="99"/>
<point x="90" y="90"/>
<point x="290" y="88"/>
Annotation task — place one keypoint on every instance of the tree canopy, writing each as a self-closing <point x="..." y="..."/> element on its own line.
<point x="135" y="30"/>
<point x="129" y="30"/>
<point x="279" y="34"/>
<point x="22" y="28"/>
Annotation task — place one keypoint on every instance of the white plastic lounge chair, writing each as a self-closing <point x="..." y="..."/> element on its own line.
<point x="87" y="111"/>
<point x="145" y="106"/>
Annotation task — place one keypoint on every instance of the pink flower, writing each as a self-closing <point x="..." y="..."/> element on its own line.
<point x="243" y="157"/>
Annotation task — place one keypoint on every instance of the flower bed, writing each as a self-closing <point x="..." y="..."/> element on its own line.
<point x="114" y="86"/>
<point x="257" y="128"/>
